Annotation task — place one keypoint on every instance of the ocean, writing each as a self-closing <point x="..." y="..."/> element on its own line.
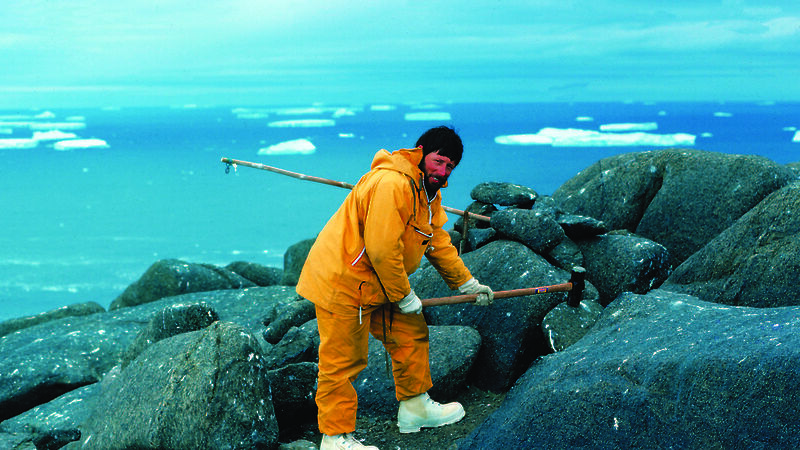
<point x="92" y="197"/>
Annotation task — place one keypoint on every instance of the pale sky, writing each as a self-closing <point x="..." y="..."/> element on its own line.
<point x="57" y="53"/>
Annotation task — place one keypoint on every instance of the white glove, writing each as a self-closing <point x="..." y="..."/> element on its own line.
<point x="410" y="304"/>
<point x="485" y="294"/>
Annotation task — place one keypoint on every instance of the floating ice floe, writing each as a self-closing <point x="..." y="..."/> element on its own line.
<point x="722" y="114"/>
<point x="428" y="115"/>
<point x="53" y="135"/>
<point x="382" y="108"/>
<point x="347" y="135"/>
<point x="18" y="143"/>
<point x="303" y="123"/>
<point x="646" y="126"/>
<point x="73" y="144"/>
<point x="6" y="130"/>
<point x="796" y="137"/>
<point x="571" y="137"/>
<point x="293" y="147"/>
<point x="584" y="119"/>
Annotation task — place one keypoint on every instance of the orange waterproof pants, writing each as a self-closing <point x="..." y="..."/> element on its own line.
<point x="343" y="353"/>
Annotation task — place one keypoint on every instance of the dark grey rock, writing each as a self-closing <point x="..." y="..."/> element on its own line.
<point x="565" y="325"/>
<point x="298" y="345"/>
<point x="660" y="370"/>
<point x="504" y="194"/>
<point x="581" y="227"/>
<point x="259" y="274"/>
<point x="453" y="350"/>
<point x="483" y="209"/>
<point x="617" y="263"/>
<point x="510" y="328"/>
<point x="40" y="363"/>
<point x="679" y="198"/>
<point x="478" y="237"/>
<point x="537" y="231"/>
<point x="293" y="261"/>
<point x="565" y="255"/>
<point x="172" y="320"/>
<point x="755" y="262"/>
<point x="170" y="277"/>
<point x="293" y="389"/>
<point x="202" y="389"/>
<point x="64" y="413"/>
<point x="77" y="309"/>
<point x="287" y="316"/>
<point x="17" y="441"/>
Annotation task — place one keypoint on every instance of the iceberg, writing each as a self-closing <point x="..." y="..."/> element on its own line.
<point x="53" y="135"/>
<point x="571" y="137"/>
<point x="796" y="137"/>
<point x="723" y="114"/>
<point x="73" y="144"/>
<point x="382" y="108"/>
<point x="302" y="123"/>
<point x="584" y="119"/>
<point x="293" y="147"/>
<point x="647" y="126"/>
<point x="420" y="116"/>
<point x="56" y="126"/>
<point x="18" y="143"/>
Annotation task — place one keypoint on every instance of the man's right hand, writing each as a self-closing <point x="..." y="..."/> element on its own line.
<point x="410" y="304"/>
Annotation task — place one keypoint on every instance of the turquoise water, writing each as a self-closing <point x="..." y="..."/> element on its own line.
<point x="82" y="224"/>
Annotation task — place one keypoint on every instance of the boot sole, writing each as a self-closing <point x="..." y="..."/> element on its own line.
<point x="406" y="429"/>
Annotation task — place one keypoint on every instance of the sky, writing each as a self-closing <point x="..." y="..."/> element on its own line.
<point x="94" y="53"/>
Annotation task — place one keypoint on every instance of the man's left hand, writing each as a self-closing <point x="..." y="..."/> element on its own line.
<point x="485" y="294"/>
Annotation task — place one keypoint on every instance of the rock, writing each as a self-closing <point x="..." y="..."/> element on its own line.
<point x="504" y="194"/>
<point x="679" y="198"/>
<point x="660" y="370"/>
<point x="297" y="346"/>
<point x="293" y="261"/>
<point x="581" y="227"/>
<point x="293" y="389"/>
<point x="617" y="263"/>
<point x="537" y="231"/>
<point x="565" y="255"/>
<point x="564" y="325"/>
<point x="478" y="237"/>
<point x="77" y="309"/>
<point x="172" y="320"/>
<point x="259" y="274"/>
<point x="453" y="350"/>
<point x="59" y="418"/>
<point x="510" y="328"/>
<point x="483" y="209"/>
<point x="170" y="277"/>
<point x="290" y="315"/>
<point x="17" y="441"/>
<point x="201" y="389"/>
<point x="40" y="363"/>
<point x="755" y="262"/>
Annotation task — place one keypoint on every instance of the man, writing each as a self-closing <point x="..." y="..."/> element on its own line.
<point x="356" y="274"/>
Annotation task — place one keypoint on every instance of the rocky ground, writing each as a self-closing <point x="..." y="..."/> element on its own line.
<point x="383" y="433"/>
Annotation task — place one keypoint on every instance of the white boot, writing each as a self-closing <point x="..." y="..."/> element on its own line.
<point x="421" y="411"/>
<point x="343" y="442"/>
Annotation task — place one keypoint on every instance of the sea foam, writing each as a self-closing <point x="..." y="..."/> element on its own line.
<point x="572" y="137"/>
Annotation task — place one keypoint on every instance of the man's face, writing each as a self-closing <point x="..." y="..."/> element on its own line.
<point x="437" y="169"/>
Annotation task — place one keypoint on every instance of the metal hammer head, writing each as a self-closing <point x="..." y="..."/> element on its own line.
<point x="578" y="280"/>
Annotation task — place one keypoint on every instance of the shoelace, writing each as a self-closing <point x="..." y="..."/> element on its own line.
<point x="348" y="441"/>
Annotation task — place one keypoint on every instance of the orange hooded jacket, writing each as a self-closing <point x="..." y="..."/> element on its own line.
<point x="364" y="254"/>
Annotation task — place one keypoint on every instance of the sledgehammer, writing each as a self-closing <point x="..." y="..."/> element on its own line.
<point x="575" y="288"/>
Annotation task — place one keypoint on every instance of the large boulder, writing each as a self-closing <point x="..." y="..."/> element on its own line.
<point x="510" y="328"/>
<point x="660" y="370"/>
<point x="170" y="277"/>
<point x="539" y="232"/>
<point x="77" y="309"/>
<point x="504" y="194"/>
<point x="679" y="198"/>
<point x="201" y="389"/>
<point x="755" y="262"/>
<point x="257" y="273"/>
<point x="40" y="363"/>
<point x="293" y="260"/>
<point x="622" y="262"/>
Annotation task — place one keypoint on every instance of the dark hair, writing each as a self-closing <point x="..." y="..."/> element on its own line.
<point x="443" y="139"/>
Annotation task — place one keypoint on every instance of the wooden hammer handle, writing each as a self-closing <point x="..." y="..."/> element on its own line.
<point x="470" y="298"/>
